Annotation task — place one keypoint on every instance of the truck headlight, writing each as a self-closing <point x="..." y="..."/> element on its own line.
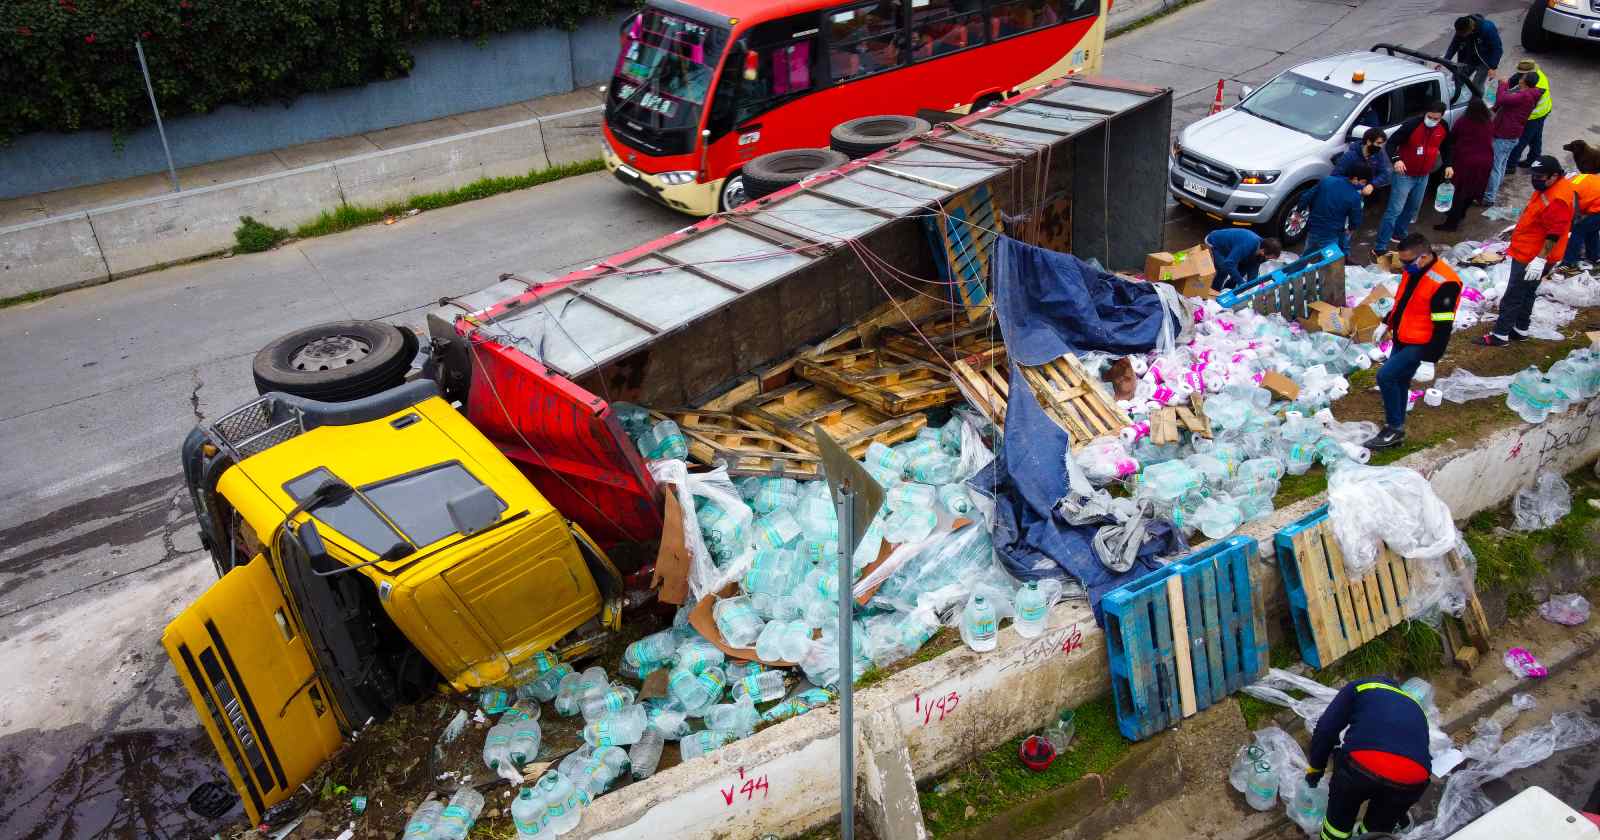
<point x="678" y="178"/>
<point x="1259" y="176"/>
<point x="1177" y="150"/>
<point x="1563" y="4"/>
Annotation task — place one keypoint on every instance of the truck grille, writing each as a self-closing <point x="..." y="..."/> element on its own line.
<point x="250" y="429"/>
<point x="1220" y="174"/>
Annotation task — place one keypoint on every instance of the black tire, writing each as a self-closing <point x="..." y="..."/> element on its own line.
<point x="1534" y="36"/>
<point x="986" y="101"/>
<point x="865" y="135"/>
<point x="773" y="171"/>
<point x="336" y="362"/>
<point x="1280" y="224"/>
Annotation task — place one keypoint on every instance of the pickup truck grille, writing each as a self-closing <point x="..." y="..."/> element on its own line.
<point x="1220" y="174"/>
<point x="249" y="429"/>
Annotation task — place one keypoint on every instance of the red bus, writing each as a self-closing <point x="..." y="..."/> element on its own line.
<point x="702" y="87"/>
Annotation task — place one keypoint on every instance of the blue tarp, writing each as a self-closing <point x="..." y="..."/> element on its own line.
<point x="1051" y="304"/>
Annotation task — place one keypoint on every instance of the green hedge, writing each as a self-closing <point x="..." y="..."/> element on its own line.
<point x="67" y="65"/>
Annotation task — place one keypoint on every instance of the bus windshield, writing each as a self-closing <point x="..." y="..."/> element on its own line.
<point x="662" y="79"/>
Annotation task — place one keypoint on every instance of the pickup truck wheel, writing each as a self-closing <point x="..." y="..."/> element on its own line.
<point x="863" y="136"/>
<point x="336" y="362"/>
<point x="774" y="171"/>
<point x="1534" y="36"/>
<point x="1289" y="224"/>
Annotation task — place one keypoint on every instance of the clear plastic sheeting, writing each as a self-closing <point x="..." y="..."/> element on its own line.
<point x="1463" y="385"/>
<point x="1580" y="290"/>
<point x="1438" y="586"/>
<point x="1275" y="685"/>
<point x="1463" y="799"/>
<point x="705" y="575"/>
<point x="1373" y="506"/>
<point x="1570" y="609"/>
<point x="1541" y="504"/>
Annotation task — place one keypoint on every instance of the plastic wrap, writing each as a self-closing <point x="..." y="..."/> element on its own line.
<point x="1523" y="664"/>
<point x="1435" y="585"/>
<point x="704" y="575"/>
<point x="1541" y="504"/>
<point x="1522" y="701"/>
<point x="1371" y="506"/>
<point x="1579" y="290"/>
<point x="1463" y="385"/>
<point x="1570" y="609"/>
<point x="1463" y="799"/>
<point x="1275" y="685"/>
<point x="1287" y="760"/>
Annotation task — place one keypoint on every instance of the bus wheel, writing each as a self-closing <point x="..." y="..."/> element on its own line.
<point x="733" y="192"/>
<point x="865" y="135"/>
<point x="337" y="362"/>
<point x="774" y="171"/>
<point x="986" y="101"/>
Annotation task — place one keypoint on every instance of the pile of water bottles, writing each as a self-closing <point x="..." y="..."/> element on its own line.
<point x="1535" y="395"/>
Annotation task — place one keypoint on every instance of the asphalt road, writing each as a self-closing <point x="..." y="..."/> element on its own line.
<point x="97" y="543"/>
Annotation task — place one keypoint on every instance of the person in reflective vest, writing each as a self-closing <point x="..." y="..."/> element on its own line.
<point x="1584" y="243"/>
<point x="1538" y="243"/>
<point x="1422" y="319"/>
<point x="1382" y="760"/>
<point x="1533" y="133"/>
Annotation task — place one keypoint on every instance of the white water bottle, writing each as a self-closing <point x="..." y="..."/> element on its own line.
<point x="980" y="624"/>
<point x="457" y="818"/>
<point x="1445" y="197"/>
<point x="423" y="820"/>
<point x="528" y="814"/>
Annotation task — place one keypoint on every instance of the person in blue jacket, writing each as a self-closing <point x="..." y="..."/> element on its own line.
<point x="1382" y="760"/>
<point x="1476" y="47"/>
<point x="1368" y="150"/>
<point x="1238" y="254"/>
<point x="1336" y="209"/>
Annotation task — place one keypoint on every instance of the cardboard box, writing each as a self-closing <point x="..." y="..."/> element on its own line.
<point x="1190" y="271"/>
<point x="1357" y="323"/>
<point x="1594" y="338"/>
<point x="1281" y="386"/>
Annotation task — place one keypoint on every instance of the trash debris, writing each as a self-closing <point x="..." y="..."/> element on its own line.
<point x="563" y="807"/>
<point x="1037" y="753"/>
<point x="529" y="815"/>
<point x="454" y="728"/>
<point x="1309" y="805"/>
<point x="1463" y="385"/>
<point x="1541" y="504"/>
<point x="1243" y="761"/>
<point x="455" y="821"/>
<point x="1060" y="731"/>
<point x="1373" y="506"/>
<point x="1261" y="791"/>
<point x="1570" y="609"/>
<point x="1522" y="701"/>
<point x="358" y="804"/>
<point x="420" y="825"/>
<point x="1521" y="663"/>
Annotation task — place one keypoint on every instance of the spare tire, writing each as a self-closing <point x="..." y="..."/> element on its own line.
<point x="773" y="171"/>
<point x="336" y="362"/>
<point x="863" y="136"/>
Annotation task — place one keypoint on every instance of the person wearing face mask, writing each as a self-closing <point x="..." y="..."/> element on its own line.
<point x="1420" y="146"/>
<point x="1368" y="150"/>
<point x="1472" y="153"/>
<point x="1422" y="319"/>
<point x="1538" y="243"/>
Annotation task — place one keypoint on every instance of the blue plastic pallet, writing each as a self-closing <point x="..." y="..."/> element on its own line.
<point x="1225" y="650"/>
<point x="1290" y="290"/>
<point x="1333" y="613"/>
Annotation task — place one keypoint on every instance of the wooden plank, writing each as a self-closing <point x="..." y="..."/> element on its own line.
<point x="1326" y="627"/>
<point x="746" y="449"/>
<point x="1217" y="676"/>
<point x="1228" y="618"/>
<point x="1476" y="622"/>
<point x="1169" y="709"/>
<point x="790" y="412"/>
<point x="748" y="387"/>
<point x="1180" y="645"/>
<point x="1355" y="634"/>
<point x="1382" y="619"/>
<point x="887" y="381"/>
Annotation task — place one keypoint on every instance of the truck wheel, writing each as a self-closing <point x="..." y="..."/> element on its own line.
<point x="865" y="135"/>
<point x="773" y="171"/>
<point x="1288" y="225"/>
<point x="336" y="362"/>
<point x="1534" y="36"/>
<point x="733" y="192"/>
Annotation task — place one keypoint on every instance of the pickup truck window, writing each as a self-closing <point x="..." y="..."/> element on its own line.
<point x="1302" y="104"/>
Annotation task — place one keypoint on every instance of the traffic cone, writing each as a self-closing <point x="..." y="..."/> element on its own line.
<point x="1216" y="104"/>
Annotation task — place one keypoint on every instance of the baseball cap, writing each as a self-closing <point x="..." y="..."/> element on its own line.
<point x="1546" y="165"/>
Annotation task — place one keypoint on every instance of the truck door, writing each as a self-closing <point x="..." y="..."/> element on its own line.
<point x="242" y="657"/>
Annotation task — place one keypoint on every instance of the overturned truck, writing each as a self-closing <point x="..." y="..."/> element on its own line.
<point x="374" y="539"/>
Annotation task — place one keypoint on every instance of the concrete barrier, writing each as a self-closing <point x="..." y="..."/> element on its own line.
<point x="379" y="178"/>
<point x="56" y="253"/>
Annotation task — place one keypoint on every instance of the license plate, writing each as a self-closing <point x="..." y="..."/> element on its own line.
<point x="1191" y="185"/>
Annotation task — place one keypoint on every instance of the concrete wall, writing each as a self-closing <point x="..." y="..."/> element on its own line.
<point x="450" y="77"/>
<point x="1125" y="13"/>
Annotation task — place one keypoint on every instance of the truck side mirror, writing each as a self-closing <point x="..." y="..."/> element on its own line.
<point x="311" y="543"/>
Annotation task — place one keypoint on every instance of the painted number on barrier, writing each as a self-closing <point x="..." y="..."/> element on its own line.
<point x="934" y="710"/>
<point x="1063" y="641"/>
<point x="745" y="788"/>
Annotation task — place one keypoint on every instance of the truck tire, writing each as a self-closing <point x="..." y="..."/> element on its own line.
<point x="863" y="136"/>
<point x="336" y="362"/>
<point x="1285" y="226"/>
<point x="773" y="171"/>
<point x="1534" y="36"/>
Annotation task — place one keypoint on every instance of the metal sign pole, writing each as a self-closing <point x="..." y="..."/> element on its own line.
<point x="847" y="731"/>
<point x="138" y="47"/>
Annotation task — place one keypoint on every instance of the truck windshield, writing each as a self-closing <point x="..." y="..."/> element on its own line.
<point x="414" y="503"/>
<point x="1303" y="104"/>
<point x="662" y="79"/>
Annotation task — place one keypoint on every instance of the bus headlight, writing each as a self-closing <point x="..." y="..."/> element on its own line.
<point x="678" y="178"/>
<point x="1258" y="177"/>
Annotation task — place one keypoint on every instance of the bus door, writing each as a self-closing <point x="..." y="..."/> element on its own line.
<point x="778" y="62"/>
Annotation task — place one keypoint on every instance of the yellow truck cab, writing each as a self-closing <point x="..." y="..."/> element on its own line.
<point x="365" y="550"/>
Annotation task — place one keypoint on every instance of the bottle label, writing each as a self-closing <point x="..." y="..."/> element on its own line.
<point x="453" y="811"/>
<point x="983" y="628"/>
<point x="556" y="809"/>
<point x="1031" y="613"/>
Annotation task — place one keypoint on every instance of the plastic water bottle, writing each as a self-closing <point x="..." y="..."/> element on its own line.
<point x="812" y="553"/>
<point x="522" y="710"/>
<point x="1218" y="519"/>
<point x="769" y="493"/>
<point x="457" y="818"/>
<point x="885" y="458"/>
<point x="738" y="621"/>
<point x="817" y="517"/>
<point x="562" y="807"/>
<point x="601" y="770"/>
<point x="702" y="742"/>
<point x="497" y="746"/>
<point x="1310" y="803"/>
<point x="956" y="500"/>
<point x="910" y="496"/>
<point x="524" y="746"/>
<point x="1420" y="690"/>
<point x="1243" y="762"/>
<point x="762" y="687"/>
<point x="543" y="687"/>
<point x="1033" y="607"/>
<point x="739" y="718"/>
<point x="980" y="624"/>
<point x="1261" y="791"/>
<point x="910" y="524"/>
<point x="1299" y="457"/>
<point x="423" y="820"/>
<point x="610" y="701"/>
<point x="696" y="692"/>
<point x="933" y="468"/>
<point x="494" y="700"/>
<point x="617" y="728"/>
<point x="773" y="571"/>
<point x="650" y="653"/>
<point x="778" y="529"/>
<point x="528" y="814"/>
<point x="664" y="440"/>
<point x="1445" y="197"/>
<point x="698" y="654"/>
<point x="645" y="754"/>
<point x="1530" y="396"/>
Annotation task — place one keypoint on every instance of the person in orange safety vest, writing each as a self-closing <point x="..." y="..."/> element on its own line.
<point x="1422" y="319"/>
<point x="1538" y="243"/>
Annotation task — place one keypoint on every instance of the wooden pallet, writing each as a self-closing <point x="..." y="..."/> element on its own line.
<point x="963" y="243"/>
<point x="1075" y="400"/>
<point x="883" y="379"/>
<point x="942" y="338"/>
<point x="789" y="412"/>
<point x="985" y="382"/>
<point x="1333" y="613"/>
<point x="745" y="448"/>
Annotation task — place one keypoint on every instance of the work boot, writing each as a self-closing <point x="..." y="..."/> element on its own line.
<point x="1492" y="340"/>
<point x="1385" y="438"/>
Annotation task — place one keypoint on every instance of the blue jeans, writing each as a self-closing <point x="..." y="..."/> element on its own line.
<point x="1394" y="382"/>
<point x="1502" y="159"/>
<point x="1405" y="198"/>
<point x="1532" y="140"/>
<point x="1585" y="241"/>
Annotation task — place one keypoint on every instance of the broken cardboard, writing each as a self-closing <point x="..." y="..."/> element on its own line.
<point x="701" y="619"/>
<point x="1191" y="271"/>
<point x="1281" y="386"/>
<point x="671" y="574"/>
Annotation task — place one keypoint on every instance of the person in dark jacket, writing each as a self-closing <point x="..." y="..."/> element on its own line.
<point x="1335" y="204"/>
<point x="1383" y="760"/>
<point x="1423" y="317"/>
<point x="1471" y="152"/>
<point x="1368" y="150"/>
<point x="1238" y="254"/>
<point x="1476" y="46"/>
<point x="1419" y="145"/>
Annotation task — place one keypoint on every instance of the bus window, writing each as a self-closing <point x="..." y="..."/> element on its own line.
<point x="865" y="40"/>
<point x="782" y="72"/>
<point x="944" y="26"/>
<point x="662" y="78"/>
<point x="1007" y="19"/>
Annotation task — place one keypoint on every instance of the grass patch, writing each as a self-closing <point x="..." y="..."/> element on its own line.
<point x="18" y="300"/>
<point x="1410" y="648"/>
<point x="1284" y="654"/>
<point x="252" y="236"/>
<point x="996" y="780"/>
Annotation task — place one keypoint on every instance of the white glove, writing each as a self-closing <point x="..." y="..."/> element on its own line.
<point x="1535" y="267"/>
<point x="1378" y="331"/>
<point x="1424" y="373"/>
